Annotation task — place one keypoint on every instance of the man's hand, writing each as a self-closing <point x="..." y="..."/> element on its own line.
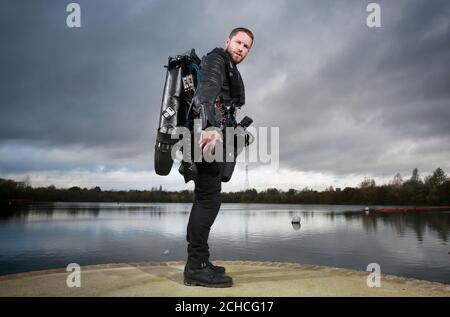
<point x="208" y="140"/>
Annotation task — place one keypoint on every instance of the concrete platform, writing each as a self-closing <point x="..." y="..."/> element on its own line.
<point x="254" y="279"/>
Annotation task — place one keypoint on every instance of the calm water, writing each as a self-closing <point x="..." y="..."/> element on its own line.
<point x="53" y="235"/>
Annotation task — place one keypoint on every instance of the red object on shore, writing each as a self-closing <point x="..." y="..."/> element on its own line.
<point x="419" y="208"/>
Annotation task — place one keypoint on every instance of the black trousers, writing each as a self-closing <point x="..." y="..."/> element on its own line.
<point x="204" y="211"/>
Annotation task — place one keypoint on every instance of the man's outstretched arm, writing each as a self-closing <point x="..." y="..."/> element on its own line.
<point x="209" y="87"/>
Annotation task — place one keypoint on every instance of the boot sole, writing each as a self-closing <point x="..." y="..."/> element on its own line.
<point x="189" y="282"/>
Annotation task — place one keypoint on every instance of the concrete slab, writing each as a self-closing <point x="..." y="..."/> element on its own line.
<point x="255" y="279"/>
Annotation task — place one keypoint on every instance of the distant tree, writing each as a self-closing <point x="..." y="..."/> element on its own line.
<point x="291" y="192"/>
<point x="443" y="192"/>
<point x="438" y="177"/>
<point x="367" y="183"/>
<point x="415" y="178"/>
<point x="397" y="181"/>
<point x="27" y="181"/>
<point x="435" y="190"/>
<point x="414" y="191"/>
<point x="432" y="185"/>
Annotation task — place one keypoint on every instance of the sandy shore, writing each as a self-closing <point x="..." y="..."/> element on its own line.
<point x="250" y="279"/>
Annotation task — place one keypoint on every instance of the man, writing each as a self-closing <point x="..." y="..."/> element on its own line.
<point x="220" y="91"/>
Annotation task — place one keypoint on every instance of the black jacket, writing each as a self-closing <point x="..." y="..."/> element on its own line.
<point x="220" y="91"/>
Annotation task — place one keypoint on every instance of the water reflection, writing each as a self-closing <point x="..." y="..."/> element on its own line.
<point x="419" y="222"/>
<point x="48" y="210"/>
<point x="52" y="235"/>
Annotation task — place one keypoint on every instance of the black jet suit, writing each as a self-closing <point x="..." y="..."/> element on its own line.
<point x="220" y="92"/>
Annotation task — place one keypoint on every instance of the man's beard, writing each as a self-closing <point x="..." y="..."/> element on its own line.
<point x="230" y="53"/>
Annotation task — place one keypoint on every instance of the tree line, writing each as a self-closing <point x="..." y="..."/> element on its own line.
<point x="432" y="190"/>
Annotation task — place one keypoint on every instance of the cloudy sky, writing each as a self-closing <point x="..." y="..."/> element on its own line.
<point x="80" y="106"/>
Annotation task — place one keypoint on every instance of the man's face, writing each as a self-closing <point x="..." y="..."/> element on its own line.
<point x="238" y="46"/>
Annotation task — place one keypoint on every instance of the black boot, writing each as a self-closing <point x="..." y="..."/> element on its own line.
<point x="216" y="268"/>
<point x="205" y="276"/>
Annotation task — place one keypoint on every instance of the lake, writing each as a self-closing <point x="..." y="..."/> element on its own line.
<point x="52" y="235"/>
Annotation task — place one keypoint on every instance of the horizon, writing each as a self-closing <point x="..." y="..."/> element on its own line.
<point x="80" y="105"/>
<point x="27" y="182"/>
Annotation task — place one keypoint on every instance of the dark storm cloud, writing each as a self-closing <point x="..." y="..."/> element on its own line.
<point x="89" y="86"/>
<point x="403" y="69"/>
<point x="347" y="98"/>
<point x="100" y="85"/>
<point x="381" y="92"/>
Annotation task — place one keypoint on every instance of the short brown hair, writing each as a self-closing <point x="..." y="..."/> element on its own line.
<point x="241" y="29"/>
